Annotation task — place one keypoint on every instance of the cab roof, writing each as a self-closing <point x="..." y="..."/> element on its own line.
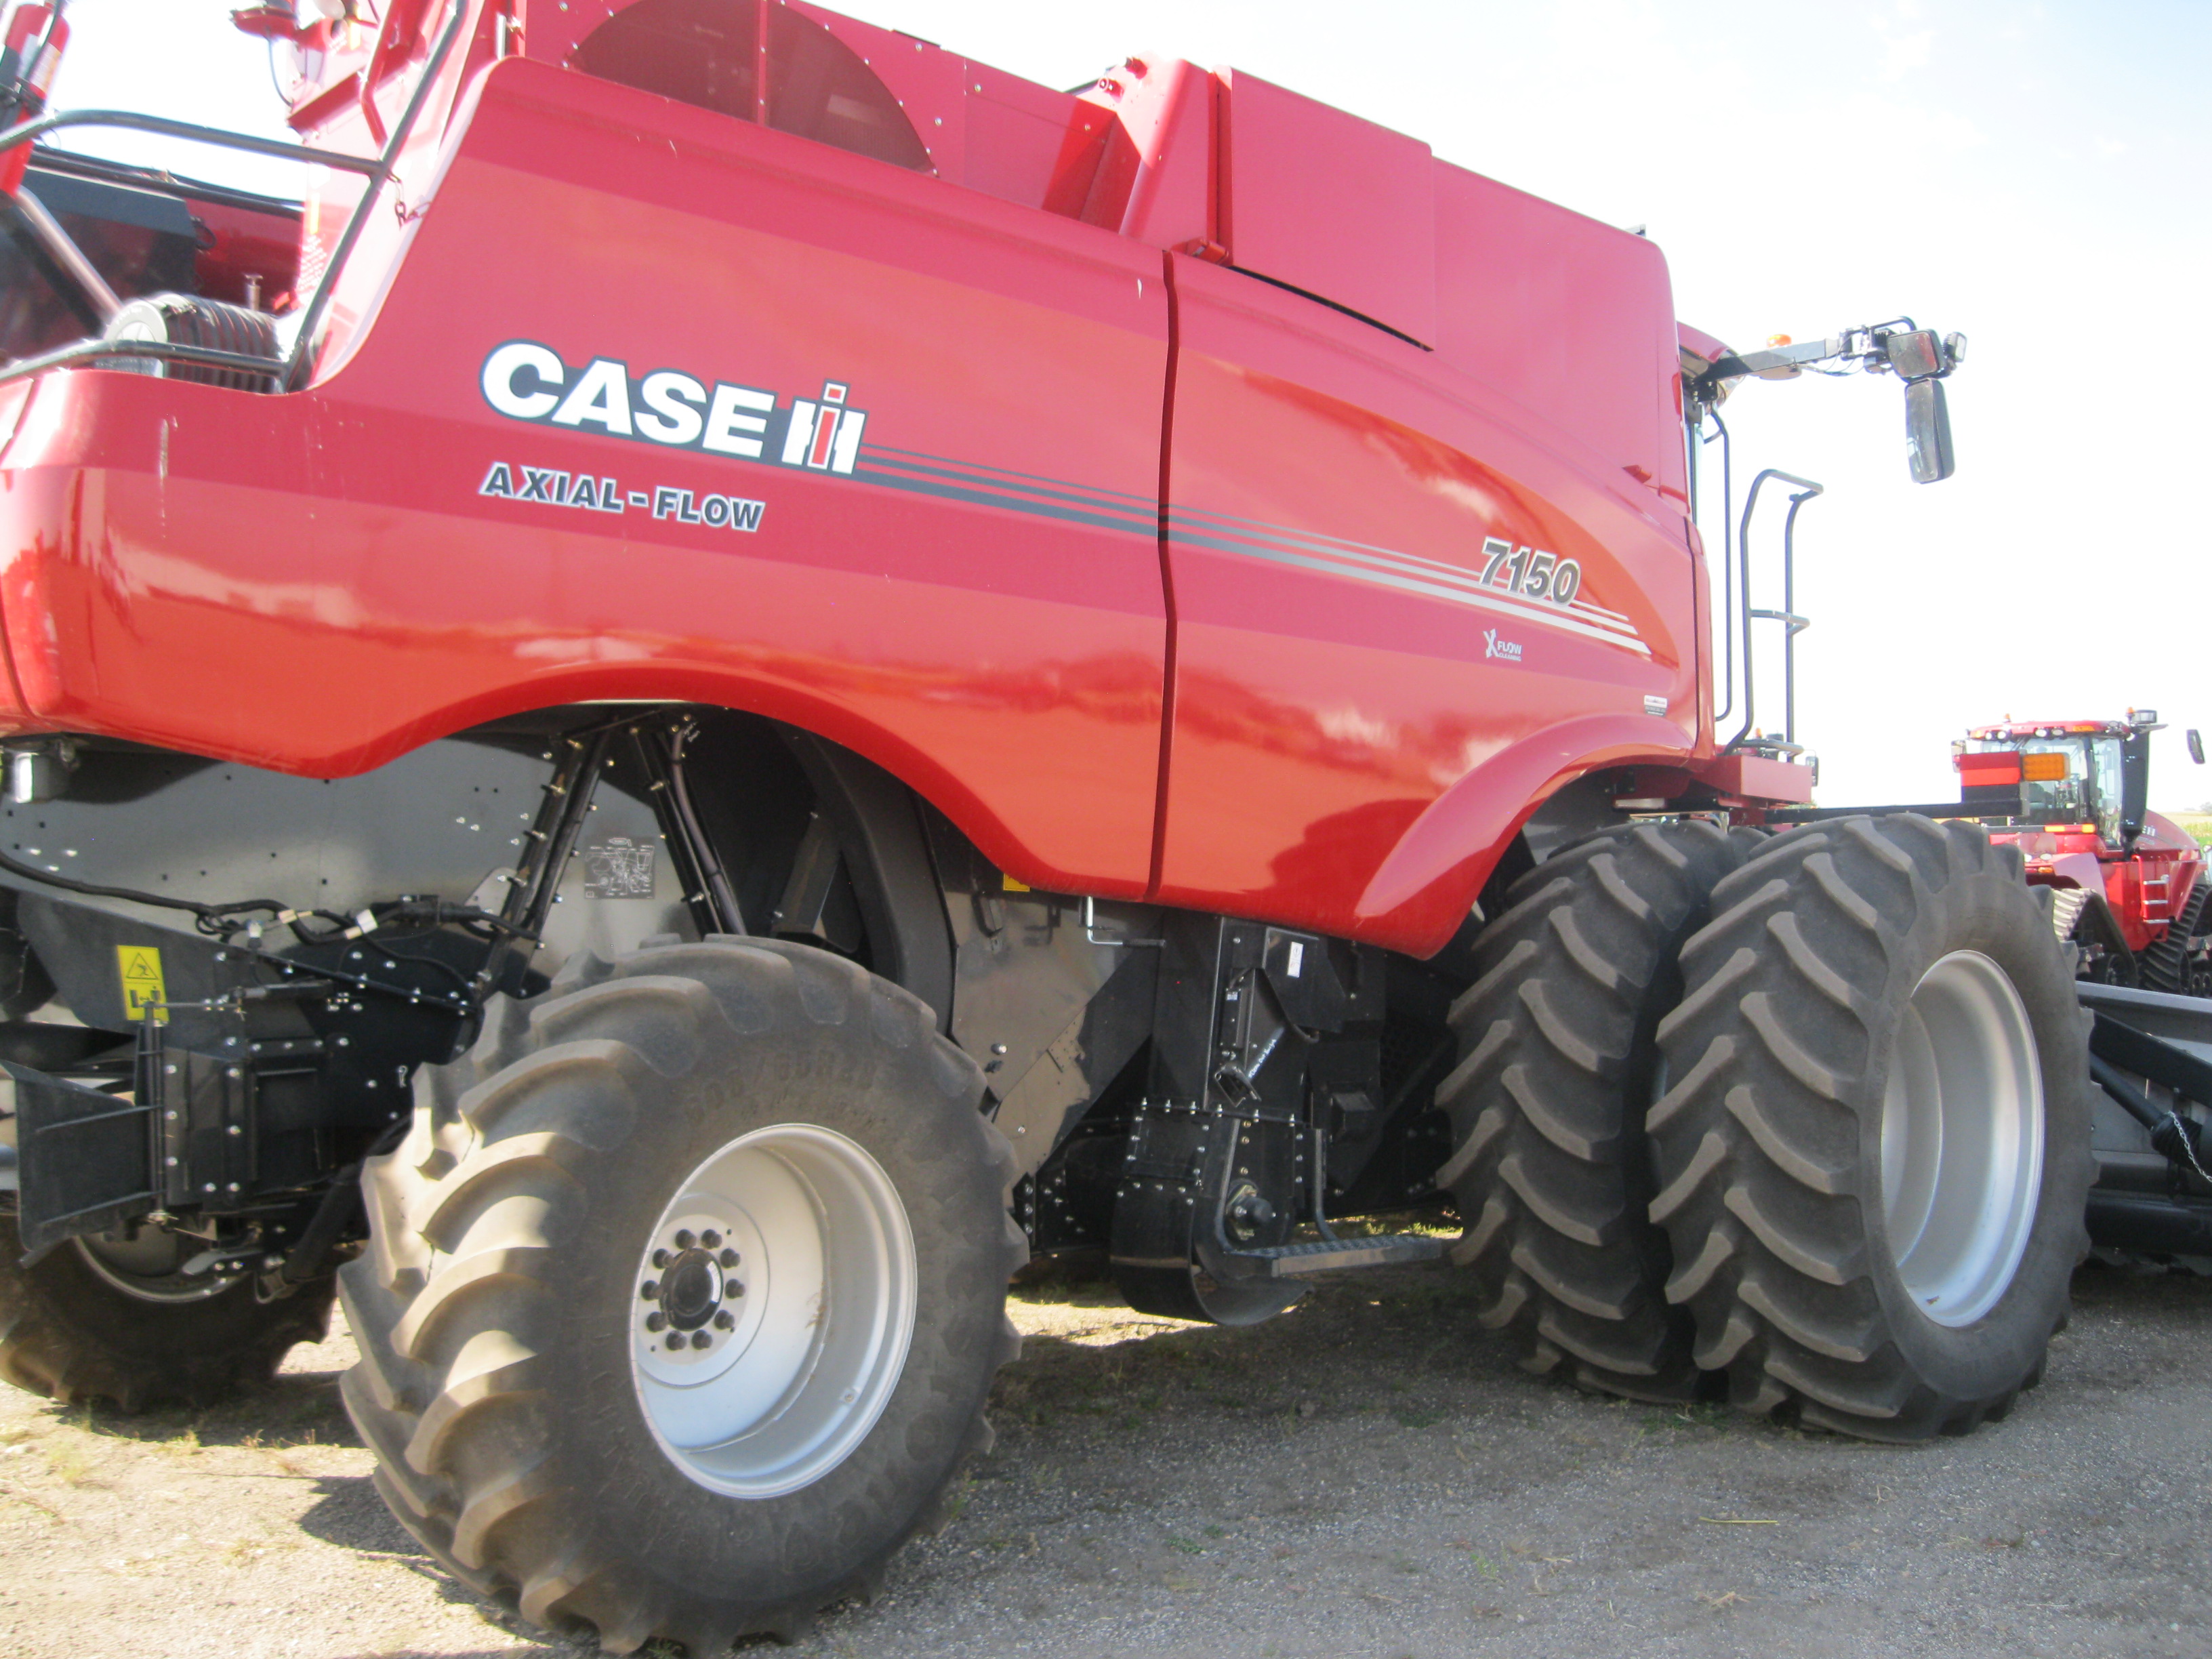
<point x="2020" y="729"/>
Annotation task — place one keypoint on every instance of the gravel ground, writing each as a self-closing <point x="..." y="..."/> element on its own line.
<point x="1368" y="1475"/>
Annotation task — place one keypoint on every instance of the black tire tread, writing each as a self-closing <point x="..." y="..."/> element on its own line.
<point x="1756" y="1140"/>
<point x="1547" y="1103"/>
<point x="2163" y="966"/>
<point x="457" y="1247"/>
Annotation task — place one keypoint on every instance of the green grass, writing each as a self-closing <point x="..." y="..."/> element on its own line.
<point x="2198" y="824"/>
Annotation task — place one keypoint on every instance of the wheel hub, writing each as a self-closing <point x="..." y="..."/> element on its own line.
<point x="774" y="1302"/>
<point x="686" y="1286"/>
<point x="693" y="1291"/>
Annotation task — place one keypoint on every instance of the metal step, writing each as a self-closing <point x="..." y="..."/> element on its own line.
<point x="1328" y="1255"/>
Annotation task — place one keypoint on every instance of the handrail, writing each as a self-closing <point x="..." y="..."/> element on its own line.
<point x="402" y="129"/>
<point x="59" y="246"/>
<point x="1727" y="563"/>
<point x="167" y="351"/>
<point x="1793" y="624"/>
<point x="161" y="126"/>
<point x="287" y="372"/>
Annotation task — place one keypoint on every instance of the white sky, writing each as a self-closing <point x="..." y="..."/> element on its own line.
<point x="2033" y="175"/>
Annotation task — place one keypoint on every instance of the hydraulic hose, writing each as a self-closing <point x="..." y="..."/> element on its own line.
<point x="2171" y="1135"/>
<point x="212" y="914"/>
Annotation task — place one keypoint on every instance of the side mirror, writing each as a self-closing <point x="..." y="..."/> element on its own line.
<point x="1915" y="354"/>
<point x="1927" y="432"/>
<point x="2196" y="746"/>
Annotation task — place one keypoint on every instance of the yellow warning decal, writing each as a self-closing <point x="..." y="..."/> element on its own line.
<point x="140" y="968"/>
<point x="1008" y="884"/>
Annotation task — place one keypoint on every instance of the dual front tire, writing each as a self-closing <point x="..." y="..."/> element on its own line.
<point x="1842" y="1179"/>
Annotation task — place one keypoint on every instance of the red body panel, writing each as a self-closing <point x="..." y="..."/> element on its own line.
<point x="1329" y="204"/>
<point x="314" y="583"/>
<point x="241" y="243"/>
<point x="1396" y="597"/>
<point x="1340" y="665"/>
<point x="2146" y="886"/>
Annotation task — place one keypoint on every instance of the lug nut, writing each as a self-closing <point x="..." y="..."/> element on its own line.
<point x="650" y="1289"/>
<point x="660" y="1258"/>
<point x="732" y="1289"/>
<point x="699" y="1339"/>
<point x="724" y="1322"/>
<point x="685" y="1240"/>
<point x="675" y="1342"/>
<point x="711" y="1239"/>
<point x="654" y="1322"/>
<point x="729" y="1258"/>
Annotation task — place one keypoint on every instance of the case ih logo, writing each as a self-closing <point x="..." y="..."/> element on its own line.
<point x="527" y="381"/>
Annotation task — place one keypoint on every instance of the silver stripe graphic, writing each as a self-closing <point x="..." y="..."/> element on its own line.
<point x="1356" y="554"/>
<point x="1498" y="604"/>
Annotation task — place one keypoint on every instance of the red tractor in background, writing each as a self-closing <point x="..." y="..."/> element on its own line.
<point x="2128" y="883"/>
<point x="2129" y="894"/>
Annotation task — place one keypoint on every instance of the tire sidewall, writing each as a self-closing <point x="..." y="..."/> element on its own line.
<point x="800" y="1544"/>
<point x="1991" y="912"/>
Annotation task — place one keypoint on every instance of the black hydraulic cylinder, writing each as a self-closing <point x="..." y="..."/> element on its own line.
<point x="2182" y="1143"/>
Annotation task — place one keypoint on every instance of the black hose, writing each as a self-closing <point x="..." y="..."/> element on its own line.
<point x="2132" y="1099"/>
<point x="206" y="913"/>
<point x="2179" y="1141"/>
<point x="720" y="895"/>
<point x="303" y="1263"/>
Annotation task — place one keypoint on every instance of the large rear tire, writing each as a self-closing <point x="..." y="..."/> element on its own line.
<point x="685" y="1293"/>
<point x="96" y="1319"/>
<point x="1875" y="1152"/>
<point x="1558" y="1053"/>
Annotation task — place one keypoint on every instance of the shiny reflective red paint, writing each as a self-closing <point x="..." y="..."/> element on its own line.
<point x="2146" y="884"/>
<point x="1284" y="691"/>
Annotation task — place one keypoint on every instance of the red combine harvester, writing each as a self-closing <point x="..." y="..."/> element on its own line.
<point x="749" y="670"/>
<point x="2128" y="882"/>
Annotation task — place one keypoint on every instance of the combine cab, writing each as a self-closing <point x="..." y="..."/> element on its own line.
<point x="2128" y="883"/>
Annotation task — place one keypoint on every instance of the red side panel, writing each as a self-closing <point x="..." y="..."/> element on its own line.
<point x="318" y="582"/>
<point x="1030" y="143"/>
<point x="1571" y="319"/>
<point x="1329" y="204"/>
<point x="1376" y="675"/>
<point x="1759" y="777"/>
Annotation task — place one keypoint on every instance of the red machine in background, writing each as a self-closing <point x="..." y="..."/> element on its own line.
<point x="2128" y="882"/>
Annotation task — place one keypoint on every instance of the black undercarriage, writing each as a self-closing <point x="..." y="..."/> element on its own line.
<point x="217" y="984"/>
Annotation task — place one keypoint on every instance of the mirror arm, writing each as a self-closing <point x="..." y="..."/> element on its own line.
<point x="1869" y="346"/>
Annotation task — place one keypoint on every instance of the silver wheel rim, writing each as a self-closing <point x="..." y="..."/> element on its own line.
<point x="772" y="1310"/>
<point x="1961" y="1138"/>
